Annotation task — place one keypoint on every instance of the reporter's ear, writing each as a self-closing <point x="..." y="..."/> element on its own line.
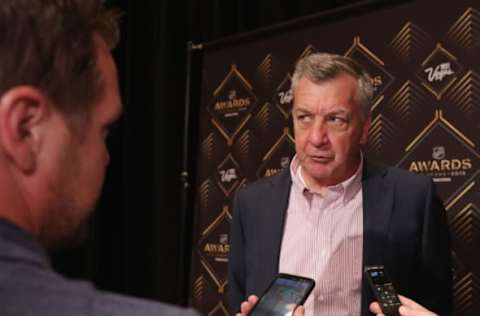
<point x="22" y="111"/>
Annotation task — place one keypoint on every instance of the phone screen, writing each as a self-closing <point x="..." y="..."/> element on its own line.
<point x="378" y="276"/>
<point x="283" y="295"/>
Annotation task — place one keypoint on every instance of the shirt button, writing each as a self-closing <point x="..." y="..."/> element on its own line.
<point x="321" y="298"/>
<point x="323" y="253"/>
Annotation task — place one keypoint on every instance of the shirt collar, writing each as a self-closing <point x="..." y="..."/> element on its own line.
<point x="349" y="187"/>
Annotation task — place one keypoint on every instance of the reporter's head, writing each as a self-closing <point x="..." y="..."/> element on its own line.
<point x="58" y="96"/>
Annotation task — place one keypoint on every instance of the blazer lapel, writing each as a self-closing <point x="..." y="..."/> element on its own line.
<point x="377" y="208"/>
<point x="278" y="204"/>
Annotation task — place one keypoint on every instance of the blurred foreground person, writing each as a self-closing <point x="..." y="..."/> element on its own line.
<point x="58" y="97"/>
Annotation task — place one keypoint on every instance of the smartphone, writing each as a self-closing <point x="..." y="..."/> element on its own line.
<point x="282" y="296"/>
<point x="383" y="290"/>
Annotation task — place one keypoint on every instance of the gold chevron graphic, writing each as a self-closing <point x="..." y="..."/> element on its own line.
<point x="382" y="131"/>
<point x="218" y="310"/>
<point x="264" y="70"/>
<point x="458" y="197"/>
<point x="239" y="128"/>
<point x="465" y="32"/>
<point x="408" y="40"/>
<point x="466" y="93"/>
<point x="436" y="94"/>
<point x="204" y="192"/>
<point x="405" y="100"/>
<point x="424" y="131"/>
<point x="233" y="72"/>
<point x="455" y="130"/>
<point x="357" y="44"/>
<point x="285" y="135"/>
<point x="243" y="145"/>
<point x="374" y="60"/>
<point x="439" y="118"/>
<point x="207" y="147"/>
<point x="465" y="223"/>
<point x="242" y="183"/>
<point x="310" y="49"/>
<point x="439" y="47"/>
<point x="225" y="214"/>
<point x="262" y="118"/>
<point x="198" y="289"/>
<point x="377" y="103"/>
<point x="220" y="285"/>
<point x="465" y="291"/>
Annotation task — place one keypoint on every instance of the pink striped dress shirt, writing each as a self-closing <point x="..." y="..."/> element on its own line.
<point x="323" y="239"/>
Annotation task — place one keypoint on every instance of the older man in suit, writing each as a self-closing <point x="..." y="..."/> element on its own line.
<point x="333" y="212"/>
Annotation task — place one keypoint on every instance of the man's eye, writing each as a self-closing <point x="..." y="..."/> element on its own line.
<point x="337" y="120"/>
<point x="303" y="117"/>
<point x="337" y="123"/>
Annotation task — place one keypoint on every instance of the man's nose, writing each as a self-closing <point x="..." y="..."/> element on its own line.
<point x="318" y="133"/>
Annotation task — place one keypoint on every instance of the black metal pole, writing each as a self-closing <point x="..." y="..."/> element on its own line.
<point x="185" y="237"/>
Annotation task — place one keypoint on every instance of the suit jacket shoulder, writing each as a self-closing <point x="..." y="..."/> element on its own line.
<point x="257" y="226"/>
<point x="267" y="186"/>
<point x="29" y="286"/>
<point x="391" y="173"/>
<point x="405" y="229"/>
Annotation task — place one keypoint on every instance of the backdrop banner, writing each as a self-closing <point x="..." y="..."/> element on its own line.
<point x="423" y="57"/>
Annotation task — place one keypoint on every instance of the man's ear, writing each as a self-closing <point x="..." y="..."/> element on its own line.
<point x="22" y="111"/>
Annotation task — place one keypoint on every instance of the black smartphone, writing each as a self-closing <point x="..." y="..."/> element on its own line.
<point x="383" y="290"/>
<point x="282" y="296"/>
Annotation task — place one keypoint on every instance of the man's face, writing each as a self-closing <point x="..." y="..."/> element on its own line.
<point x="329" y="129"/>
<point x="81" y="157"/>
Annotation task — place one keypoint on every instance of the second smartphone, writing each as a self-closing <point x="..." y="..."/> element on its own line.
<point x="282" y="296"/>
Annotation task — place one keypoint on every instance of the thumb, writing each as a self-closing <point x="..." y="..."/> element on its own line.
<point x="299" y="311"/>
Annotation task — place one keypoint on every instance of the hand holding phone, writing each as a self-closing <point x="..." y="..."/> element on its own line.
<point x="383" y="290"/>
<point x="283" y="295"/>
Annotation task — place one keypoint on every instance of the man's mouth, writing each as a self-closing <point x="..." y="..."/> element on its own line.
<point x="321" y="158"/>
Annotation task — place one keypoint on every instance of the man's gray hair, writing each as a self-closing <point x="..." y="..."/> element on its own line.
<point x="322" y="67"/>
